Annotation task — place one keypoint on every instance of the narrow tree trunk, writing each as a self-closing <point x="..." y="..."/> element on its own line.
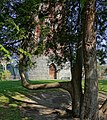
<point x="90" y="102"/>
<point x="77" y="83"/>
<point x="76" y="72"/>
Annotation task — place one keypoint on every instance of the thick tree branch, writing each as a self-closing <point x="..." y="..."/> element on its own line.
<point x="26" y="84"/>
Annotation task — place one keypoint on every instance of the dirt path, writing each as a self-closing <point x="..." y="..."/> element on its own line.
<point x="49" y="105"/>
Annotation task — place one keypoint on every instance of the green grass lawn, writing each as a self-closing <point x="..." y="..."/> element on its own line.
<point x="102" y="84"/>
<point x="12" y="94"/>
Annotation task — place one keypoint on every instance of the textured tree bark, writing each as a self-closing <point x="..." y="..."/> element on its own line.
<point x="90" y="102"/>
<point x="76" y="83"/>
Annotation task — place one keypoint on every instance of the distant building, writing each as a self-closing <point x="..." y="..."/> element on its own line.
<point x="42" y="70"/>
<point x="45" y="70"/>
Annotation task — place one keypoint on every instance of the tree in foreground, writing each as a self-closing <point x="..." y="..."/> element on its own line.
<point x="85" y="106"/>
<point x="26" y="25"/>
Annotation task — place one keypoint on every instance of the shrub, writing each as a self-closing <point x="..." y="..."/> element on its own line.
<point x="5" y="74"/>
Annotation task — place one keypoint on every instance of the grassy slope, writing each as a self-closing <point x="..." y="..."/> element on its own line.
<point x="9" y="109"/>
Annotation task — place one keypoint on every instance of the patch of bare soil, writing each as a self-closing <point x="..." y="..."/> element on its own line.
<point x="52" y="105"/>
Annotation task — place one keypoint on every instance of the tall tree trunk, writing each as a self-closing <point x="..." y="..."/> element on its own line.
<point x="76" y="83"/>
<point x="90" y="102"/>
<point x="77" y="95"/>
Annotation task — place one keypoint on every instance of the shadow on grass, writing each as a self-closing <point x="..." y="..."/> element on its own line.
<point x="36" y="104"/>
<point x="9" y="113"/>
<point x="30" y="105"/>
